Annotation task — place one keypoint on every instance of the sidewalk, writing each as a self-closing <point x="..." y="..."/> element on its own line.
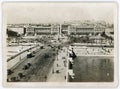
<point x="58" y="72"/>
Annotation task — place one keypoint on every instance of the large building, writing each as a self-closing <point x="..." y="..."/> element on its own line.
<point x="81" y="30"/>
<point x="42" y="30"/>
<point x="46" y="29"/>
<point x="30" y="31"/>
<point x="58" y="29"/>
<point x="55" y="29"/>
<point x="85" y="29"/>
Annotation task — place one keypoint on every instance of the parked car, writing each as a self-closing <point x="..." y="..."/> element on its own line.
<point x="30" y="54"/>
<point x="9" y="72"/>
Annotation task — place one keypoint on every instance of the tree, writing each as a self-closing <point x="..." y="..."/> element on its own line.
<point x="12" y="33"/>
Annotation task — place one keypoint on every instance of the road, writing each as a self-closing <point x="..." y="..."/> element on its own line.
<point x="41" y="65"/>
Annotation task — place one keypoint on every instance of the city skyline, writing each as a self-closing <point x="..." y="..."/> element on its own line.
<point x="58" y="12"/>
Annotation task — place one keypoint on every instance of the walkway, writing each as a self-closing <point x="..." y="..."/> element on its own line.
<point x="58" y="72"/>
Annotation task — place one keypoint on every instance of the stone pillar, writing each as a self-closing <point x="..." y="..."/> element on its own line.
<point x="51" y="28"/>
<point x="60" y="30"/>
<point x="68" y="30"/>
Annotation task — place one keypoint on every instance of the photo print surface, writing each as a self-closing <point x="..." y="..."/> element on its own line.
<point x="59" y="42"/>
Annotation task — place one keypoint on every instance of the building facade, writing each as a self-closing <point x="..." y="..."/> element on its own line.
<point x="43" y="30"/>
<point x="58" y="29"/>
<point x="85" y="30"/>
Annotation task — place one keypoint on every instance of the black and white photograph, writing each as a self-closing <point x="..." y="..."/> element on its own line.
<point x="59" y="43"/>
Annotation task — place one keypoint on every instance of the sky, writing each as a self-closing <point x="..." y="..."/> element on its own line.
<point x="53" y="12"/>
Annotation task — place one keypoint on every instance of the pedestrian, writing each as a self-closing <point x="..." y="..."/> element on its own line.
<point x="29" y="64"/>
<point x="65" y="77"/>
<point x="45" y="77"/>
<point x="57" y="65"/>
<point x="53" y="71"/>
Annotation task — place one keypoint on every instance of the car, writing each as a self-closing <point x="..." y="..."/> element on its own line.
<point x="30" y="54"/>
<point x="42" y="47"/>
<point x="9" y="72"/>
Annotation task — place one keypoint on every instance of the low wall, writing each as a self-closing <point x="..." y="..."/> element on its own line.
<point x="11" y="62"/>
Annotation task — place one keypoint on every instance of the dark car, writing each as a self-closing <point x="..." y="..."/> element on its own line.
<point x="30" y="55"/>
<point x="9" y="72"/>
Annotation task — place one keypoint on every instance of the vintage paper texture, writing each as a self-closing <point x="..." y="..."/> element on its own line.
<point x="60" y="44"/>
